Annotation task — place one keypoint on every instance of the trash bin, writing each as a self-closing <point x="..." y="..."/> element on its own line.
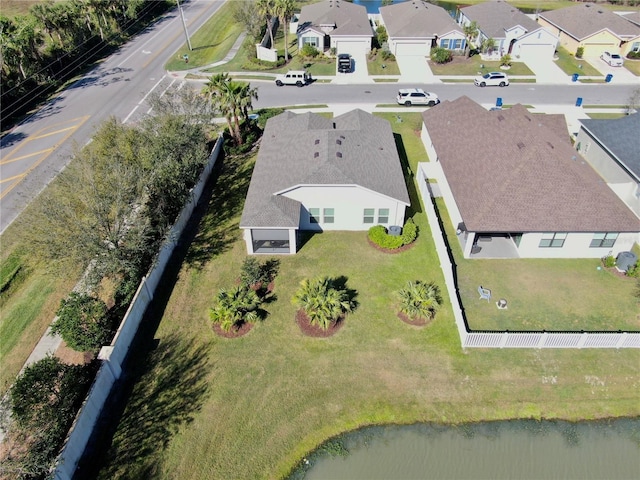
<point x="574" y="77"/>
<point x="608" y="77"/>
<point x="499" y="102"/>
<point x="579" y="102"/>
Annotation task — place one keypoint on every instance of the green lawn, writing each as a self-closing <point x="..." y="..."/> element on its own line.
<point x="605" y="116"/>
<point x="252" y="407"/>
<point x="570" y="64"/>
<point x="473" y="65"/>
<point x="633" y="66"/>
<point x="378" y="66"/>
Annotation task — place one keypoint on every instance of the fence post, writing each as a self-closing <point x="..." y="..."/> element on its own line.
<point x="503" y="339"/>
<point x="543" y="339"/>
<point x="583" y="339"/>
<point x="621" y="339"/>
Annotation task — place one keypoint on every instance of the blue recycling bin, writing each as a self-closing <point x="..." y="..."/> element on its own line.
<point x="499" y="102"/>
<point x="579" y="102"/>
<point x="574" y="77"/>
<point x="608" y="77"/>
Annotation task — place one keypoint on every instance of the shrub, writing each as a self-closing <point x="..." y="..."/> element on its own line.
<point x="333" y="51"/>
<point x="634" y="270"/>
<point x="381" y="35"/>
<point x="83" y="322"/>
<point x="387" y="55"/>
<point x="254" y="272"/>
<point x="309" y="51"/>
<point x="372" y="53"/>
<point x="579" y="52"/>
<point x="420" y="300"/>
<point x="634" y="55"/>
<point x="380" y="237"/>
<point x="608" y="261"/>
<point x="409" y="232"/>
<point x="441" y="55"/>
<point x="505" y="60"/>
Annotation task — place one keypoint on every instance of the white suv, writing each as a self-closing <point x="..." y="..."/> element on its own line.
<point x="416" y="96"/>
<point x="298" y="78"/>
<point x="613" y="59"/>
<point x="492" y="78"/>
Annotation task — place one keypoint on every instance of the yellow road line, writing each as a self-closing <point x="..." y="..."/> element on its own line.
<point x="46" y="150"/>
<point x="12" y="178"/>
<point x="53" y="133"/>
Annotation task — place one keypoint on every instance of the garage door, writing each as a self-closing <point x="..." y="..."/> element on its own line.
<point x="412" y="49"/>
<point x="535" y="51"/>
<point x="353" y="48"/>
<point x="596" y="49"/>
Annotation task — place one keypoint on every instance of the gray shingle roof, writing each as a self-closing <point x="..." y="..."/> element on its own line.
<point x="494" y="17"/>
<point x="512" y="171"/>
<point x="302" y="149"/>
<point x="348" y="19"/>
<point x="633" y="17"/>
<point x="417" y="19"/>
<point x="583" y="20"/>
<point x="621" y="136"/>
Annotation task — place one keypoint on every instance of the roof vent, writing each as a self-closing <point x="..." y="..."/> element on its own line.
<point x="339" y="154"/>
<point x="338" y="141"/>
<point x="500" y="118"/>
<point x="550" y="144"/>
<point x="316" y="154"/>
<point x="334" y="125"/>
<point x="520" y="145"/>
<point x="317" y="141"/>
<point x="342" y="137"/>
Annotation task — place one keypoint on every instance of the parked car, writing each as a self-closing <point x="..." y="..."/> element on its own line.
<point x="299" y="78"/>
<point x="613" y="59"/>
<point x="416" y="96"/>
<point x="492" y="79"/>
<point x="344" y="63"/>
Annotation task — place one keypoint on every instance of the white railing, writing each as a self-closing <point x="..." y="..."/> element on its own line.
<point x="479" y="339"/>
<point x="114" y="355"/>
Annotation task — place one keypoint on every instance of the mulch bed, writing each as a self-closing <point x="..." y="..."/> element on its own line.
<point x="401" y="249"/>
<point x="616" y="272"/>
<point x="234" y="332"/>
<point x="418" y="322"/>
<point x="314" y="331"/>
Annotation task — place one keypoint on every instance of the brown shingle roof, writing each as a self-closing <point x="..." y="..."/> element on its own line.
<point x="346" y="18"/>
<point x="494" y="17"/>
<point x="417" y="19"/>
<point x="512" y="171"/>
<point x="582" y="21"/>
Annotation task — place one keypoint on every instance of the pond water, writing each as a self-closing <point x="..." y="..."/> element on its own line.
<point x="372" y="6"/>
<point x="496" y="450"/>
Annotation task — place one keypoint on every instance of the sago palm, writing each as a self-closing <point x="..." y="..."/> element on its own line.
<point x="234" y="307"/>
<point x="420" y="300"/>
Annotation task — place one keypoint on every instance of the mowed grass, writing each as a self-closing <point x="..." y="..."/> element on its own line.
<point x="570" y="64"/>
<point x="253" y="407"/>
<point x="633" y="66"/>
<point x="461" y="65"/>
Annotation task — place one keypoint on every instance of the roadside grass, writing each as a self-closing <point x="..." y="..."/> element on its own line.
<point x="461" y="65"/>
<point x="385" y="80"/>
<point x="253" y="407"/>
<point x="209" y="44"/>
<point x="378" y="66"/>
<point x="606" y="116"/>
<point x="570" y="64"/>
<point x="633" y="66"/>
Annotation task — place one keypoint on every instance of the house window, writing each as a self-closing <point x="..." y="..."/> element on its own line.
<point x="444" y="43"/>
<point x="383" y="215"/>
<point x="603" y="240"/>
<point x="635" y="47"/>
<point x="314" y="215"/>
<point x="328" y="215"/>
<point x="313" y="41"/>
<point x="552" y="240"/>
<point x="369" y="214"/>
<point x="455" y="44"/>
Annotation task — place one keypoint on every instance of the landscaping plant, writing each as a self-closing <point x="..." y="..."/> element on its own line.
<point x="441" y="55"/>
<point x="83" y="322"/>
<point x="235" y="307"/>
<point x="324" y="300"/>
<point x="420" y="300"/>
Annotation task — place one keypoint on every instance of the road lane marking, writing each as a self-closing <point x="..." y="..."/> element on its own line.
<point x="143" y="99"/>
<point x="52" y="133"/>
<point x="12" y="178"/>
<point x="11" y="160"/>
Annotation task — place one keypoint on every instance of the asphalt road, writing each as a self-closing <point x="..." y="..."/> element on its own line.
<point x="35" y="151"/>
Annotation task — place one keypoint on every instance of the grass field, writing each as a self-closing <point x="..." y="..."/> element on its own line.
<point x="633" y="66"/>
<point x="475" y="65"/>
<point x="252" y="407"/>
<point x="570" y="64"/>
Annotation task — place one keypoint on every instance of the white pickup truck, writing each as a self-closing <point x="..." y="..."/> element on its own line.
<point x="298" y="78"/>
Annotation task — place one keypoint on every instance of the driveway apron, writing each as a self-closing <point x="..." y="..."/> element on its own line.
<point x="415" y="69"/>
<point x="360" y="74"/>
<point x="620" y="74"/>
<point x="546" y="71"/>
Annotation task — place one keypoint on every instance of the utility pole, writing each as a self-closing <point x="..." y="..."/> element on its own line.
<point x="186" y="33"/>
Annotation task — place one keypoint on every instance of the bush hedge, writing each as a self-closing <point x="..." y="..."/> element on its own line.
<point x="380" y="237"/>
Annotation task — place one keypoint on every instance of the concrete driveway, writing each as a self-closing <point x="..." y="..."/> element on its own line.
<point x="620" y="74"/>
<point x="360" y="74"/>
<point x="547" y="72"/>
<point x="415" y="69"/>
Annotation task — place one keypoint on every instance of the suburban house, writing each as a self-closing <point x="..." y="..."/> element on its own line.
<point x="593" y="28"/>
<point x="612" y="147"/>
<point x="513" y="32"/>
<point x="515" y="187"/>
<point x="414" y="27"/>
<point x="315" y="173"/>
<point x="335" y="24"/>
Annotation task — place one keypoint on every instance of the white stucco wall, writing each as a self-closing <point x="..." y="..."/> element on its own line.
<point x="576" y="245"/>
<point x="246" y="235"/>
<point x="348" y="202"/>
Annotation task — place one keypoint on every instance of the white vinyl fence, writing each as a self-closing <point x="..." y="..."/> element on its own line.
<point x="481" y="339"/>
<point x="114" y="355"/>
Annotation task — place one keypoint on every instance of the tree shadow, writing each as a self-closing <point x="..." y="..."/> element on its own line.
<point x="170" y="387"/>
<point x="340" y="283"/>
<point x="409" y="176"/>
<point x="8" y="139"/>
<point x="215" y="234"/>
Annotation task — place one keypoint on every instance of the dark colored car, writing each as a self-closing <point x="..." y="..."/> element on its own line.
<point x="344" y="63"/>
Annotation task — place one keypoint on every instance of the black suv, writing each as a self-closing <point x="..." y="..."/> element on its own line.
<point x="344" y="63"/>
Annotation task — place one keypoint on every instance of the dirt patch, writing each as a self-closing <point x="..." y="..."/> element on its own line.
<point x="401" y="249"/>
<point x="234" y="332"/>
<point x="617" y="273"/>
<point x="69" y="356"/>
<point x="418" y="322"/>
<point x="314" y="331"/>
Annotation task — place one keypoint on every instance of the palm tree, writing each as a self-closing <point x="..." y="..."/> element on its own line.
<point x="420" y="300"/>
<point x="284" y="10"/>
<point x="235" y="307"/>
<point x="471" y="32"/>
<point x="266" y="8"/>
<point x="323" y="301"/>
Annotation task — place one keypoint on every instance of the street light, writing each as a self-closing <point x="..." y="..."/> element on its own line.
<point x="186" y="33"/>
